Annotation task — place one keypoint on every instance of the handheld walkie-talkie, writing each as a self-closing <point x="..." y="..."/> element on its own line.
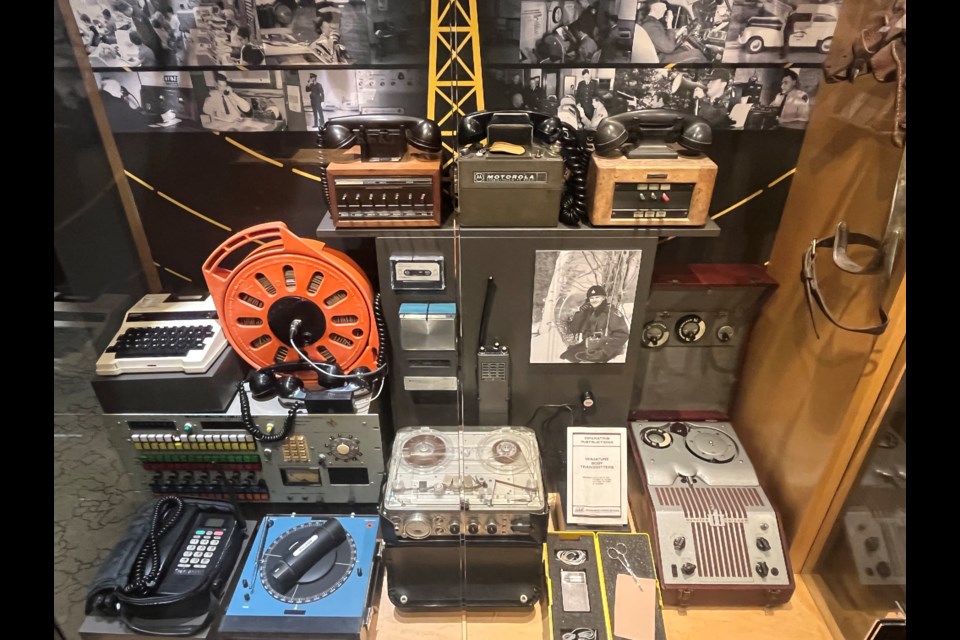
<point x="493" y="370"/>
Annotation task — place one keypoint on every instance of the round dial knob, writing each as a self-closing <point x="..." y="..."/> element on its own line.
<point x="690" y="328"/>
<point x="687" y="568"/>
<point x="491" y="527"/>
<point x="654" y="334"/>
<point x="455" y="528"/>
<point x="473" y="527"/>
<point x="416" y="526"/>
<point x="872" y="543"/>
<point x="763" y="544"/>
<point x="762" y="569"/>
<point x="883" y="570"/>
<point x="725" y="333"/>
<point x="679" y="543"/>
<point x="344" y="447"/>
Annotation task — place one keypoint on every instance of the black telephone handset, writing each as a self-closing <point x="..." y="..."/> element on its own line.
<point x="382" y="138"/>
<point x="473" y="127"/>
<point x="172" y="564"/>
<point x="652" y="131"/>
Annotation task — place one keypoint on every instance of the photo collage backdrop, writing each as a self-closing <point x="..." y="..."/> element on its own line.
<point x="254" y="65"/>
<point x="740" y="64"/>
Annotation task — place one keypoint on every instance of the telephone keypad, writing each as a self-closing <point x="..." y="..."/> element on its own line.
<point x="200" y="549"/>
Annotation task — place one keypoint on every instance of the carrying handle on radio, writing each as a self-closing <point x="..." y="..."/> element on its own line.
<point x="265" y="234"/>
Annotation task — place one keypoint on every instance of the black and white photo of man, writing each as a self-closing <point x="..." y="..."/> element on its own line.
<point x="770" y="98"/>
<point x="714" y="102"/>
<point x="328" y="93"/>
<point x="243" y="101"/>
<point x="315" y="90"/>
<point x="122" y="108"/>
<point x="223" y="104"/>
<point x="599" y="329"/>
<point x="586" y="90"/>
<point x="582" y="306"/>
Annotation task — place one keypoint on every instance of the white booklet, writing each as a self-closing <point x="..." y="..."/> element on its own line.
<point x="597" y="476"/>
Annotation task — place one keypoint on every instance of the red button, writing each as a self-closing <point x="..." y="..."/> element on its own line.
<point x="666" y="198"/>
<point x="218" y="533"/>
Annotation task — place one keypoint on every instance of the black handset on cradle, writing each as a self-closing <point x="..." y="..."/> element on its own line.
<point x="652" y="131"/>
<point x="382" y="138"/>
<point x="473" y="128"/>
<point x="173" y="562"/>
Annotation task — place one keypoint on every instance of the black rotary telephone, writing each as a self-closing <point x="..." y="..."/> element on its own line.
<point x="166" y="574"/>
<point x="651" y="133"/>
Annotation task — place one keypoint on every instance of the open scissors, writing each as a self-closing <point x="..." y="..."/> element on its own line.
<point x="619" y="552"/>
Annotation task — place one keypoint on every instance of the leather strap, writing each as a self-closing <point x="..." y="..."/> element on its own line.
<point x="812" y="286"/>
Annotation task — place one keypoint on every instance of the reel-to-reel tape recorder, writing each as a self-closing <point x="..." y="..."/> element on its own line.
<point x="462" y="509"/>
<point x="718" y="540"/>
<point x="493" y="473"/>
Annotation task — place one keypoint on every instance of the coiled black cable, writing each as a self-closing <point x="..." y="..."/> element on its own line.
<point x="381" y="323"/>
<point x="573" y="205"/>
<point x="256" y="431"/>
<point x="165" y="514"/>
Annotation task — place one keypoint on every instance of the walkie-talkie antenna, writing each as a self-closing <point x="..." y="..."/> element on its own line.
<point x="485" y="315"/>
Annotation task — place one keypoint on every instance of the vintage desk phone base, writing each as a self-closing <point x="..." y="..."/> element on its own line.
<point x="388" y="194"/>
<point x="650" y="192"/>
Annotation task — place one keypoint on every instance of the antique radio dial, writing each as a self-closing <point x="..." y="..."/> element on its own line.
<point x="725" y="333"/>
<point x="344" y="447"/>
<point x="690" y="328"/>
<point x="655" y="334"/>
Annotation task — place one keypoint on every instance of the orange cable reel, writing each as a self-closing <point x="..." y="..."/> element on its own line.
<point x="289" y="278"/>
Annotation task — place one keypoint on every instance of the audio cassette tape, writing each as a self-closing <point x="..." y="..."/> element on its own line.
<point x="717" y="538"/>
<point x="493" y="472"/>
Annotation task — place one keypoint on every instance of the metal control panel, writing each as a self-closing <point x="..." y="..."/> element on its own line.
<point x="651" y="200"/>
<point x="378" y="198"/>
<point x="331" y="458"/>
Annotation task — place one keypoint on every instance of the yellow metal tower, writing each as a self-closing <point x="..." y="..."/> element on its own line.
<point x="456" y="75"/>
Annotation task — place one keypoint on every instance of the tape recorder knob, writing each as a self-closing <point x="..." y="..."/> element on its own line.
<point x="762" y="569"/>
<point x="872" y="543"/>
<point x="654" y="334"/>
<point x="455" y="528"/>
<point x="725" y="333"/>
<point x="473" y="527"/>
<point x="763" y="544"/>
<point x="417" y="526"/>
<point x="690" y="328"/>
<point x="687" y="568"/>
<point x="883" y="570"/>
<point x="492" y="527"/>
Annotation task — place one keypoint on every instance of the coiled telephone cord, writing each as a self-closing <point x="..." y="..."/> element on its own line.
<point x="165" y="514"/>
